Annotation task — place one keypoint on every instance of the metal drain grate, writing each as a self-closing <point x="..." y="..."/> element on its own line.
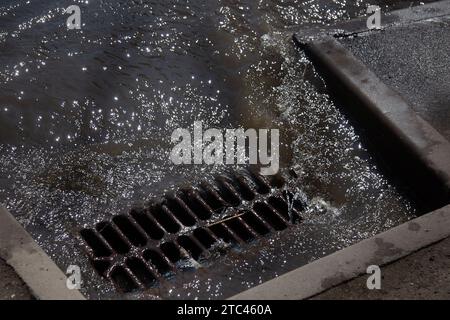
<point x="140" y="249"/>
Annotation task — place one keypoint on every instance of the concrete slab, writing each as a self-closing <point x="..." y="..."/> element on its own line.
<point x="422" y="275"/>
<point x="412" y="60"/>
<point x="45" y="280"/>
<point x="350" y="262"/>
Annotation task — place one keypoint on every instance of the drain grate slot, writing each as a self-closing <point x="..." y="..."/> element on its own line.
<point x="257" y="224"/>
<point x="147" y="224"/>
<point x="149" y="245"/>
<point x="181" y="211"/>
<point x="123" y="279"/>
<point x="191" y="246"/>
<point x="227" y="192"/>
<point x="197" y="205"/>
<point x="165" y="218"/>
<point x="277" y="181"/>
<point x="280" y="205"/>
<point x="113" y="237"/>
<point x="211" y="197"/>
<point x="130" y="231"/>
<point x="204" y="237"/>
<point x="171" y="251"/>
<point x="261" y="183"/>
<point x="99" y="248"/>
<point x="101" y="266"/>
<point x="223" y="233"/>
<point x="140" y="270"/>
<point x="244" y="188"/>
<point x="269" y="215"/>
<point x="240" y="228"/>
<point x="158" y="261"/>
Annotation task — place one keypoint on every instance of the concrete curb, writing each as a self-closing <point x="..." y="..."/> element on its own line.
<point x="414" y="148"/>
<point x="353" y="261"/>
<point x="388" y="19"/>
<point x="45" y="280"/>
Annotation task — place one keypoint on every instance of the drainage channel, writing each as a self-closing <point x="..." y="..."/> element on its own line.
<point x="188" y="227"/>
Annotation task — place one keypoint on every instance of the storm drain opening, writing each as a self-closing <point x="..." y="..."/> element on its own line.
<point x="98" y="247"/>
<point x="211" y="197"/>
<point x="165" y="218"/>
<point x="101" y="266"/>
<point x="257" y="224"/>
<point x="223" y="233"/>
<point x="148" y="246"/>
<point x="227" y="192"/>
<point x="244" y="188"/>
<point x="130" y="231"/>
<point x="141" y="271"/>
<point x="171" y="251"/>
<point x="158" y="261"/>
<point x="181" y="211"/>
<point x="267" y="213"/>
<point x="113" y="237"/>
<point x="204" y="237"/>
<point x="241" y="229"/>
<point x="191" y="246"/>
<point x="123" y="279"/>
<point x="147" y="224"/>
<point x="197" y="205"/>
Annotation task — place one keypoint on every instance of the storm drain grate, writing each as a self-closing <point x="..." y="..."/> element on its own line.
<point x="148" y="245"/>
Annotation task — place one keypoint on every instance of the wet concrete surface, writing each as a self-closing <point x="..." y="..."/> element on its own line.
<point x="424" y="274"/>
<point x="414" y="60"/>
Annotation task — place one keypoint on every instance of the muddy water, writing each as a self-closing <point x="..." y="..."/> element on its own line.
<point x="86" y="117"/>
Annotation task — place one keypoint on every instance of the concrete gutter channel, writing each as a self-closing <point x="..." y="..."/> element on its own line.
<point x="410" y="145"/>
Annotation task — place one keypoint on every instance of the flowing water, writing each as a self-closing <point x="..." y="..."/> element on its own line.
<point x="86" y="117"/>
